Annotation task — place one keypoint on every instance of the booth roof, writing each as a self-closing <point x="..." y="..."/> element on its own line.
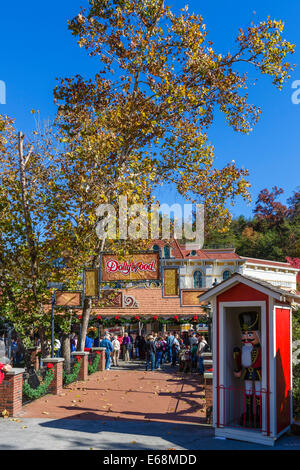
<point x="287" y="293"/>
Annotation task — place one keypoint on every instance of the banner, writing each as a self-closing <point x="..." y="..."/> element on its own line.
<point x="136" y="267"/>
<point x="170" y="282"/>
<point x="91" y="282"/>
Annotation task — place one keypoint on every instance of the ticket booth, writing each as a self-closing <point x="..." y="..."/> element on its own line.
<point x="252" y="359"/>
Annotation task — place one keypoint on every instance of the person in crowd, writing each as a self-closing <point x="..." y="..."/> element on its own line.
<point x="164" y="348"/>
<point x="158" y="352"/>
<point x="202" y="347"/>
<point x="130" y="351"/>
<point x="107" y="344"/>
<point x="14" y="349"/>
<point x="170" y="342"/>
<point x="175" y="349"/>
<point x="116" y="350"/>
<point x="142" y="350"/>
<point x="150" y="353"/>
<point x="4" y="367"/>
<point x="194" y="350"/>
<point x="137" y="345"/>
<point x="97" y="341"/>
<point x="19" y="355"/>
<point x="185" y="338"/>
<point x="74" y="341"/>
<point x="57" y="346"/>
<point x="181" y="359"/>
<point x="126" y="347"/>
<point x="89" y="342"/>
<point x="193" y="339"/>
<point x="188" y="360"/>
<point x="120" y="339"/>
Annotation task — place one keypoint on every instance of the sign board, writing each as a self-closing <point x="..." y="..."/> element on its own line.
<point x="68" y="299"/>
<point x="189" y="297"/>
<point x="170" y="282"/>
<point x="136" y="267"/>
<point x="108" y="299"/>
<point x="115" y="330"/>
<point x="91" y="282"/>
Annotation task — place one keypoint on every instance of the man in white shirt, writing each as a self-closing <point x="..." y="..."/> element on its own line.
<point x="201" y="349"/>
<point x="116" y="351"/>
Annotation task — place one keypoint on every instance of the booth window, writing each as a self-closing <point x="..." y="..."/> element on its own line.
<point x="197" y="279"/>
<point x="226" y="275"/>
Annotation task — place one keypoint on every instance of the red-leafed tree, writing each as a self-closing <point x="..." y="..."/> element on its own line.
<point x="268" y="208"/>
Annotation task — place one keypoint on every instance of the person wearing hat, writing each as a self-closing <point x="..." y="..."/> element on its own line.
<point x="248" y="367"/>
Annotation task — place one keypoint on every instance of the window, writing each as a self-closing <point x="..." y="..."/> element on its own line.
<point x="226" y="275"/>
<point x="166" y="251"/>
<point x="197" y="279"/>
<point x="155" y="248"/>
<point x="193" y="253"/>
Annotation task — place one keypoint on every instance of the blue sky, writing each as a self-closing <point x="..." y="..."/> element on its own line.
<point x="36" y="47"/>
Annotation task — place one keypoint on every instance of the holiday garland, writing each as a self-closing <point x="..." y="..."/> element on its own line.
<point x="176" y="319"/>
<point x="94" y="366"/>
<point x="69" y="378"/>
<point x="35" y="393"/>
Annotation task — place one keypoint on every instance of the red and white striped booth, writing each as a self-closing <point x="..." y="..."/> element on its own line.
<point x="273" y="305"/>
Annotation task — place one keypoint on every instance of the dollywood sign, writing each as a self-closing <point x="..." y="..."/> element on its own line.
<point x="130" y="268"/>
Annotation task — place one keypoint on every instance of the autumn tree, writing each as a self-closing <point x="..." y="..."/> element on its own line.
<point x="267" y="207"/>
<point x="34" y="219"/>
<point x="142" y="120"/>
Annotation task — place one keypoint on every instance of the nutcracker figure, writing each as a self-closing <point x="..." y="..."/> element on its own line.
<point x="247" y="366"/>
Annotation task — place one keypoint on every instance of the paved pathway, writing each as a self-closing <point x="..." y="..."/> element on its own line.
<point x="122" y="410"/>
<point x="165" y="396"/>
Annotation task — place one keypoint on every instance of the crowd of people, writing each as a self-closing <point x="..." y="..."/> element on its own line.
<point x="155" y="349"/>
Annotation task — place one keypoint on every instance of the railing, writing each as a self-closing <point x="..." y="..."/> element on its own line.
<point x="239" y="410"/>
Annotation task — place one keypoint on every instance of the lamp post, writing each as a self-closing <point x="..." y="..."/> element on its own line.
<point x="52" y="324"/>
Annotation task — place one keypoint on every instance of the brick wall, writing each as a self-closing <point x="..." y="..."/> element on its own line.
<point x="11" y="392"/>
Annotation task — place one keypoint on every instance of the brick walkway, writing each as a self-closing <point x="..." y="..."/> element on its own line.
<point x="165" y="396"/>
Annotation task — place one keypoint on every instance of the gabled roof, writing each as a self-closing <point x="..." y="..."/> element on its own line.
<point x="274" y="291"/>
<point x="265" y="262"/>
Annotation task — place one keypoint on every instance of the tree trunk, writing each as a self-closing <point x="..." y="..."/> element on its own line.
<point x="66" y="352"/>
<point x="87" y="308"/>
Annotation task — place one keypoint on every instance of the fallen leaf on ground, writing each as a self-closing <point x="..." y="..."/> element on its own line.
<point x="23" y="427"/>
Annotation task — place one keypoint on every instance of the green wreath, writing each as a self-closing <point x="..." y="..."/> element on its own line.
<point x="92" y="368"/>
<point x="35" y="393"/>
<point x="69" y="378"/>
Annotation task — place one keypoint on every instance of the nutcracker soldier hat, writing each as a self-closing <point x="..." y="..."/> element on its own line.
<point x="249" y="321"/>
